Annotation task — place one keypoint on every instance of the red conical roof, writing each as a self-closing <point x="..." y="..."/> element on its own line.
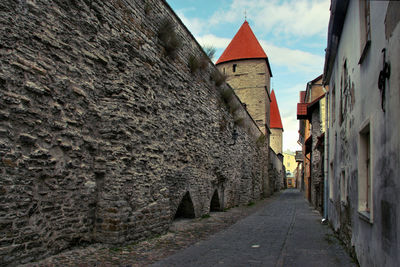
<point x="275" y="117"/>
<point x="243" y="46"/>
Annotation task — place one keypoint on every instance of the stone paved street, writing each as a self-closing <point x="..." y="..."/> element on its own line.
<point x="278" y="231"/>
<point x="285" y="232"/>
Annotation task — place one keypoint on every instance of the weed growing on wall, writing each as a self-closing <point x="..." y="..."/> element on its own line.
<point x="193" y="63"/>
<point x="233" y="108"/>
<point x="239" y="121"/>
<point x="226" y="95"/>
<point x="261" y="140"/>
<point x="168" y="37"/>
<point x="217" y="77"/>
<point x="210" y="52"/>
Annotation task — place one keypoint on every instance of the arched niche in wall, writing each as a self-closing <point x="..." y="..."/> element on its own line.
<point x="215" y="203"/>
<point x="185" y="208"/>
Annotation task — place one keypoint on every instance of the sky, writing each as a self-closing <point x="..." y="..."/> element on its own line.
<point x="292" y="33"/>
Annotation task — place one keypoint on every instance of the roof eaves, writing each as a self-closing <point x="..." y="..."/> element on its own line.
<point x="336" y="22"/>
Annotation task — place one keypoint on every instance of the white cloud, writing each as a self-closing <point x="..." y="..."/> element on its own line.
<point x="295" y="89"/>
<point x="295" y="60"/>
<point x="195" y="25"/>
<point x="214" y="41"/>
<point x="296" y="17"/>
<point x="290" y="133"/>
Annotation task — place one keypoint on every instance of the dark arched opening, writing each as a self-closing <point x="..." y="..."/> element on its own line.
<point x="185" y="209"/>
<point x="215" y="205"/>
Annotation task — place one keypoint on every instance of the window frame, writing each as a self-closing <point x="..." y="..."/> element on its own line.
<point x="343" y="187"/>
<point x="365" y="172"/>
<point x="331" y="181"/>
<point x="365" y="28"/>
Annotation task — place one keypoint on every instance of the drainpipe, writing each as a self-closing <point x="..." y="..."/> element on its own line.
<point x="326" y="186"/>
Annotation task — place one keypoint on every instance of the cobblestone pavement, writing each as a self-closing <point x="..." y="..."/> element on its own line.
<point x="285" y="232"/>
<point x="181" y="234"/>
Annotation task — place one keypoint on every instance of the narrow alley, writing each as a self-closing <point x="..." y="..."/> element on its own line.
<point x="284" y="232"/>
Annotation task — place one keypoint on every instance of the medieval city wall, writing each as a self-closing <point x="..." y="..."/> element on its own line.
<point x="277" y="171"/>
<point x="108" y="118"/>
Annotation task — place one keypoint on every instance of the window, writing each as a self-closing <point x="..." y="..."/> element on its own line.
<point x="365" y="28"/>
<point x="333" y="104"/>
<point x="331" y="180"/>
<point x="234" y="67"/>
<point x="365" y="206"/>
<point x="343" y="187"/>
<point x="343" y="93"/>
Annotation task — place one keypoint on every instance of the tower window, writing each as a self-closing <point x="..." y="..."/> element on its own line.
<point x="234" y="67"/>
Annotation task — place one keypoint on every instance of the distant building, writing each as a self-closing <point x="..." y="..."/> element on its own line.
<point x="290" y="164"/>
<point x="311" y="112"/>
<point x="362" y="68"/>
<point x="289" y="161"/>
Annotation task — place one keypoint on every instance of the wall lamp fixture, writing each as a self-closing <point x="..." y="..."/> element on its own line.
<point x="235" y="135"/>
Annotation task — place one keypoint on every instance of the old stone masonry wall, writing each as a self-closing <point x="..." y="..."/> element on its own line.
<point x="109" y="116"/>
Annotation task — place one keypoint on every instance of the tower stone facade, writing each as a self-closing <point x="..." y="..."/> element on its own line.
<point x="275" y="125"/>
<point x="248" y="72"/>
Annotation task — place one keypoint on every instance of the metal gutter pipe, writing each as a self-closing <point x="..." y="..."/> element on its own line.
<point x="326" y="154"/>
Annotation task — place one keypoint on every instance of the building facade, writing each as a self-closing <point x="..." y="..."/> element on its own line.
<point x="311" y="113"/>
<point x="362" y="68"/>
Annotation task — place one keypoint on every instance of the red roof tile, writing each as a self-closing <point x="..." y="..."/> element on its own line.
<point x="275" y="117"/>
<point x="302" y="96"/>
<point x="243" y="46"/>
<point x="302" y="111"/>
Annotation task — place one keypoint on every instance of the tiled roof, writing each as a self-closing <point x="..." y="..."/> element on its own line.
<point x="302" y="111"/>
<point x="243" y="46"/>
<point x="302" y="96"/>
<point x="275" y="117"/>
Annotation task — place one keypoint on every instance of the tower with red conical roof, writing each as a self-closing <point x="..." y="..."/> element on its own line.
<point x="248" y="72"/>
<point x="275" y="125"/>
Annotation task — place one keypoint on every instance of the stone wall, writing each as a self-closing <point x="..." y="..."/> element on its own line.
<point x="317" y="163"/>
<point x="276" y="171"/>
<point x="106" y="123"/>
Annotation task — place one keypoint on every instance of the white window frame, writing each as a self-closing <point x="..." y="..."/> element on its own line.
<point x="343" y="187"/>
<point x="331" y="181"/>
<point x="365" y="180"/>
